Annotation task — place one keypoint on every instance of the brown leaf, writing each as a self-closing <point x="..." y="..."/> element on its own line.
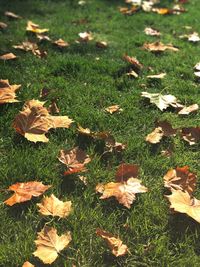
<point x="180" y="179"/>
<point x="124" y="192"/>
<point x="112" y="145"/>
<point x="184" y="203"/>
<point x="191" y="135"/>
<point x="25" y="191"/>
<point x="7" y="92"/>
<point x="3" y="25"/>
<point x="157" y="76"/>
<point x="8" y="56"/>
<point x="113" y="109"/>
<point x="28" y="264"/>
<point x="115" y="244"/>
<point x="12" y="15"/>
<point x="95" y="135"/>
<point x="128" y="11"/>
<point x="32" y="27"/>
<point x="40" y="53"/>
<point x="133" y="61"/>
<point x="75" y="159"/>
<point x="54" y="207"/>
<point x="61" y="43"/>
<point x="188" y="110"/>
<point x="53" y="108"/>
<point x="126" y="171"/>
<point x="152" y="32"/>
<point x="49" y="244"/>
<point x="159" y="47"/>
<point x="34" y="121"/>
<point x="85" y="37"/>
<point x="26" y="46"/>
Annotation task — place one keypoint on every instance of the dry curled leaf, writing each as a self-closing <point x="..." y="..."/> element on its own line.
<point x="26" y="46"/>
<point x="49" y="244"/>
<point x="113" y="109"/>
<point x="159" y="47"/>
<point x="115" y="244"/>
<point x="157" y="76"/>
<point x="12" y="15"/>
<point x="85" y="37"/>
<point x="162" y="101"/>
<point x="184" y="203"/>
<point x="34" y="121"/>
<point x="25" y="191"/>
<point x="101" y="44"/>
<point x="61" y="43"/>
<point x="3" y="25"/>
<point x="151" y="31"/>
<point x="75" y="159"/>
<point x="95" y="135"/>
<point x="191" y="135"/>
<point x="35" y="28"/>
<point x="54" y="207"/>
<point x="28" y="264"/>
<point x="180" y="179"/>
<point x="189" y="109"/>
<point x="8" y="56"/>
<point x="7" y="92"/>
<point x="133" y="61"/>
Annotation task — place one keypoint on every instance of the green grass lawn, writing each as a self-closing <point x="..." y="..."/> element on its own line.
<point x="84" y="86"/>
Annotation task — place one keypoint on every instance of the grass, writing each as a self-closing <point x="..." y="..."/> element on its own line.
<point x="83" y="87"/>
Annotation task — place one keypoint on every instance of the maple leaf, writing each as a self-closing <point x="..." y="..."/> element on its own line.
<point x="32" y="27"/>
<point x="157" y="76"/>
<point x="180" y="179"/>
<point x="61" y="43"/>
<point x="28" y="264"/>
<point x="163" y="128"/>
<point x="75" y="159"/>
<point x="184" y="203"/>
<point x="25" y="191"/>
<point x="8" y="56"/>
<point x="162" y="101"/>
<point x="191" y="135"/>
<point x="115" y="244"/>
<point x="152" y="32"/>
<point x="49" y="244"/>
<point x="3" y="25"/>
<point x="12" y="15"/>
<point x="54" y="207"/>
<point x="113" y="109"/>
<point x="159" y="47"/>
<point x="34" y="121"/>
<point x="7" y="92"/>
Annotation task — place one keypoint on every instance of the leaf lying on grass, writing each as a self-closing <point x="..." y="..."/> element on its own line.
<point x="26" y="46"/>
<point x="157" y="76"/>
<point x="54" y="207"/>
<point x="189" y="109"/>
<point x="151" y="31"/>
<point x="113" y="109"/>
<point x="28" y="264"/>
<point x="133" y="61"/>
<point x="7" y="92"/>
<point x="193" y="37"/>
<point x="180" y="179"/>
<point x="35" y="28"/>
<point x="191" y="135"/>
<point x="75" y="159"/>
<point x="25" y="191"/>
<point x="159" y="47"/>
<point x="85" y="37"/>
<point x="34" y="121"/>
<point x="184" y="203"/>
<point x="3" y="25"/>
<point x="8" y="56"/>
<point x="115" y="244"/>
<point x="49" y="244"/>
<point x="12" y="15"/>
<point x="101" y="44"/>
<point x="61" y="43"/>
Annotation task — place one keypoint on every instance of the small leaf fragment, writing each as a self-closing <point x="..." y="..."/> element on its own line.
<point x="113" y="109"/>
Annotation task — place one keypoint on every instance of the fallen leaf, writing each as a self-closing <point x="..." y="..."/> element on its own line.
<point x="191" y="135"/>
<point x="188" y="110"/>
<point x="49" y="244"/>
<point x="12" y="15"/>
<point x="180" y="179"/>
<point x="40" y="53"/>
<point x="115" y="244"/>
<point x="54" y="207"/>
<point x="163" y="11"/>
<point x="42" y="37"/>
<point x="197" y="66"/>
<point x="3" y="25"/>
<point x="53" y="108"/>
<point x="26" y="46"/>
<point x="7" y="92"/>
<point x="75" y="159"/>
<point x="95" y="135"/>
<point x="61" y="43"/>
<point x="8" y="56"/>
<point x="25" y="191"/>
<point x="113" y="109"/>
<point x="85" y="37"/>
<point x="162" y="101"/>
<point x="35" y="28"/>
<point x="193" y="37"/>
<point x="197" y="74"/>
<point x="132" y="73"/>
<point x="159" y="47"/>
<point x="182" y="202"/>
<point x="112" y="145"/>
<point x="124" y="192"/>
<point x="157" y="76"/>
<point x="128" y="11"/>
<point x="34" y="121"/>
<point x="28" y="264"/>
<point x="152" y="32"/>
<point x="133" y="61"/>
<point x="101" y="44"/>
<point x="126" y="171"/>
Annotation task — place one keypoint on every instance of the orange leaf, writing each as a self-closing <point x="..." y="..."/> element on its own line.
<point x="28" y="264"/>
<point x="32" y="27"/>
<point x="61" y="43"/>
<point x="7" y="92"/>
<point x="8" y="56"/>
<point x="25" y="191"/>
<point x="133" y="61"/>
<point x="113" y="109"/>
<point x="115" y="244"/>
<point x="49" y="244"/>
